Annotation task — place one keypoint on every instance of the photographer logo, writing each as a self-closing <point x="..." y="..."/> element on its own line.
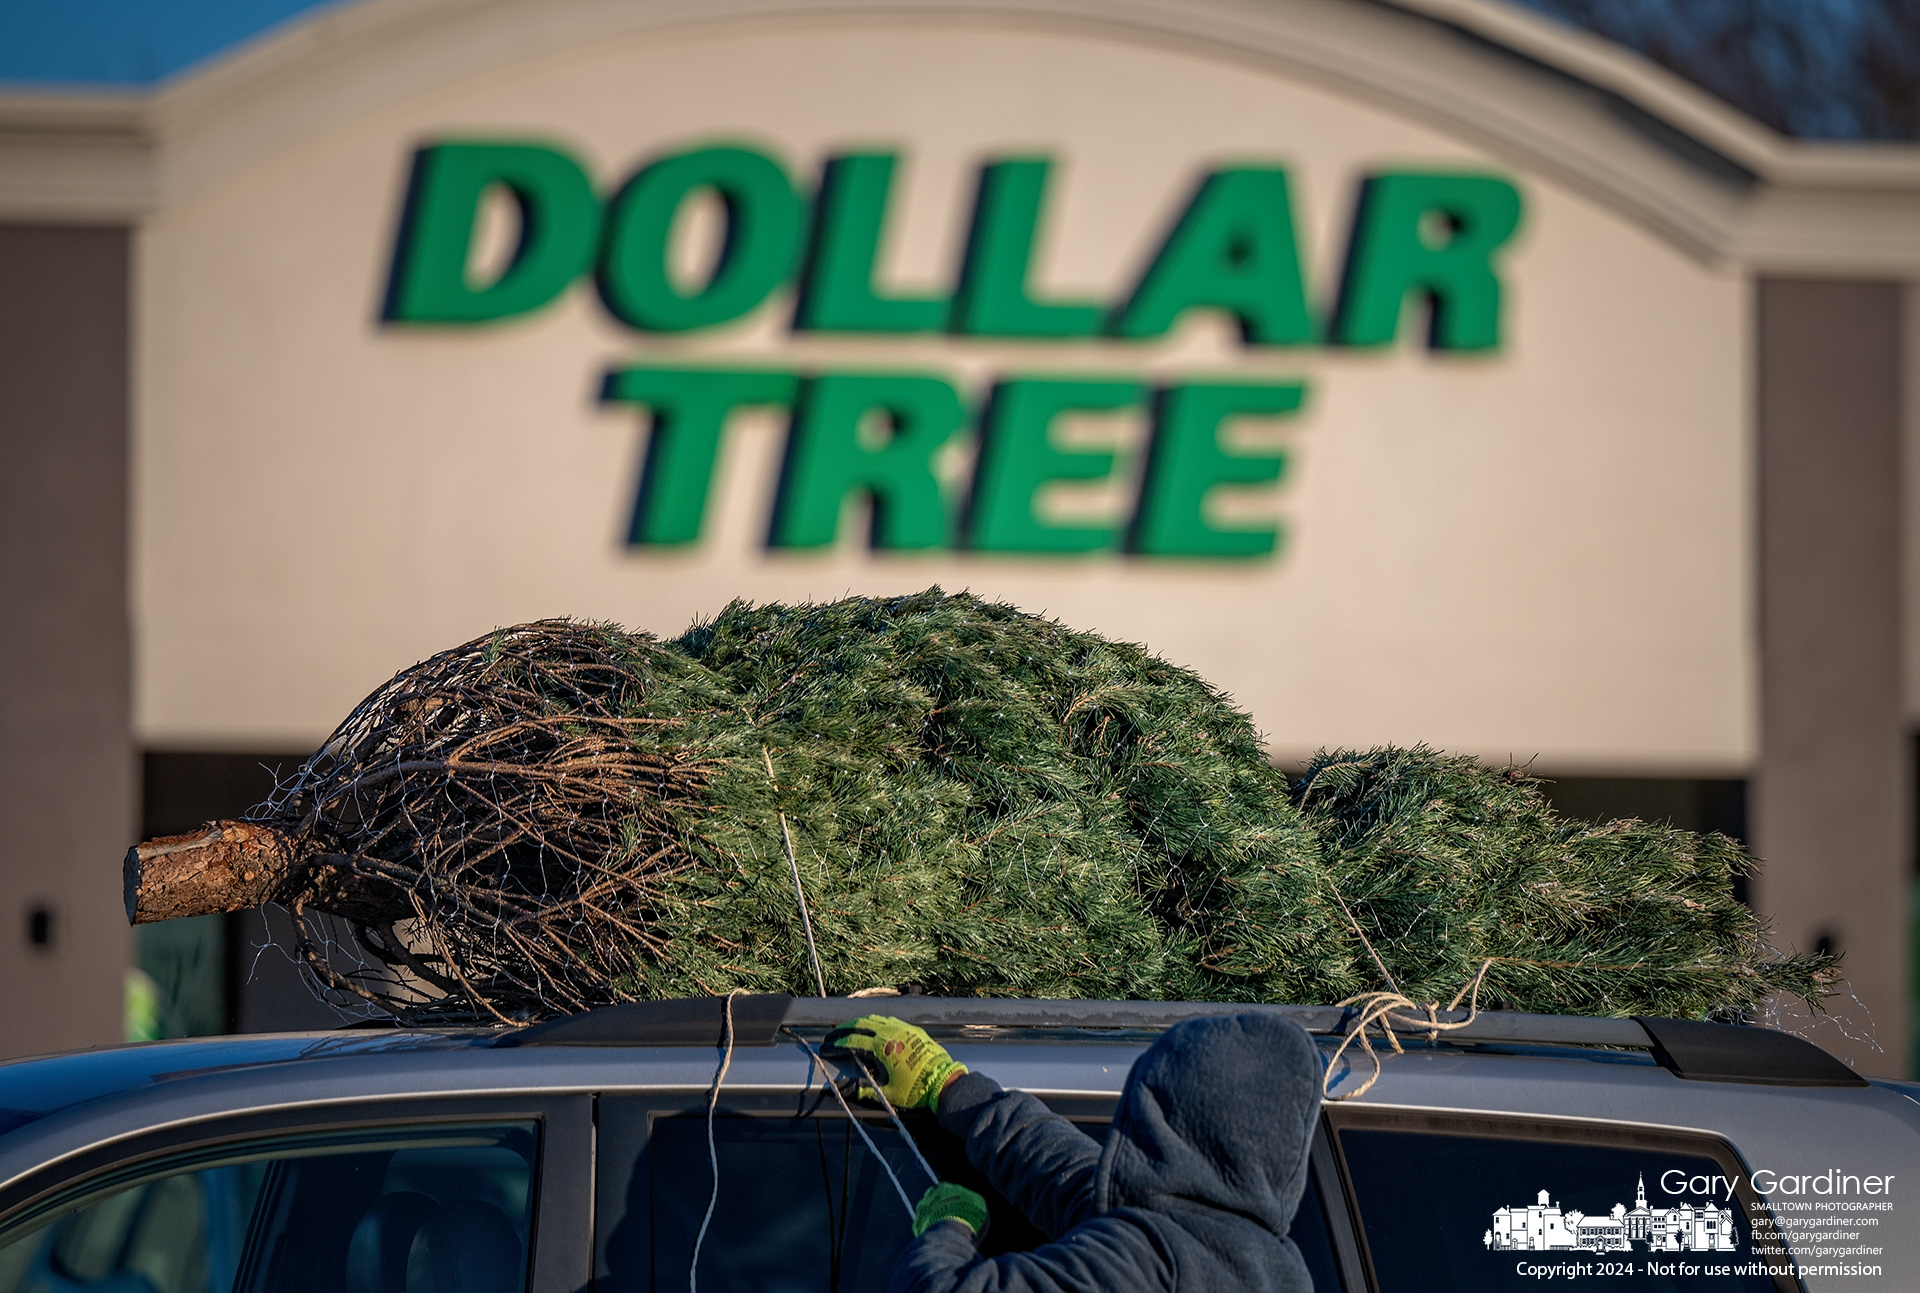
<point x="1543" y="1227"/>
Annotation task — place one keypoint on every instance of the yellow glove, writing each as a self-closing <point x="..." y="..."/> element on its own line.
<point x="910" y="1066"/>
<point x="950" y="1202"/>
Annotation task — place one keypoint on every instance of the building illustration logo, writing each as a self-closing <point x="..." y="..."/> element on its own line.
<point x="1542" y="1227"/>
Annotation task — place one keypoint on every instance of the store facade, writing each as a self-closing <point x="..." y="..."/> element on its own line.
<point x="1416" y="372"/>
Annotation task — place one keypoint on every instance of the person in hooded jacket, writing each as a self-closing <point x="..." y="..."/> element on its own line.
<point x="1194" y="1189"/>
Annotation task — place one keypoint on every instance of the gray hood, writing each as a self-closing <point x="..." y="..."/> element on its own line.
<point x="1193" y="1132"/>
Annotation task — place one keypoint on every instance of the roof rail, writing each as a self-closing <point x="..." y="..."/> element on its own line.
<point x="963" y="1012"/>
<point x="1690" y="1049"/>
<point x="683" y="1021"/>
<point x="1707" y="1052"/>
<point x="697" y="1021"/>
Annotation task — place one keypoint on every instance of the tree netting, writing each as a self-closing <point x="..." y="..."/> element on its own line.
<point x="979" y="801"/>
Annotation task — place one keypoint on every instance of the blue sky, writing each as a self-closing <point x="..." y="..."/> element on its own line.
<point x="1819" y="69"/>
<point x="1835" y="69"/>
<point x="126" y="43"/>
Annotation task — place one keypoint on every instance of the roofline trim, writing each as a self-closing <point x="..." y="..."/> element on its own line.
<point x="1775" y="204"/>
<point x="1586" y="57"/>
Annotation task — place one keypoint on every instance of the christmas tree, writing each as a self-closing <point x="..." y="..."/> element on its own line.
<point x="938" y="791"/>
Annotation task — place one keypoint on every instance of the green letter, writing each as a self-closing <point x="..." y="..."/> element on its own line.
<point x="1017" y="458"/>
<point x="1187" y="461"/>
<point x="1435" y="235"/>
<point x="828" y="457"/>
<point x="1233" y="250"/>
<point x="763" y="236"/>
<point x="559" y="219"/>
<point x="690" y="409"/>
<point x="993" y="298"/>
<point x="838" y="295"/>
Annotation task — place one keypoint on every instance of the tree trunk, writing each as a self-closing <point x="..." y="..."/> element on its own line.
<point x="230" y="866"/>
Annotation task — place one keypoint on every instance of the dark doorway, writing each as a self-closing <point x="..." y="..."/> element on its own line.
<point x="1691" y="803"/>
<point x="232" y="973"/>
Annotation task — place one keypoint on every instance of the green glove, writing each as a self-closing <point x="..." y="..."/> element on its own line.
<point x="950" y="1202"/>
<point x="910" y="1066"/>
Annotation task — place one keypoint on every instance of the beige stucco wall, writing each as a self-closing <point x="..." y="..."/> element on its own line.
<point x="1910" y="509"/>
<point x="1543" y="553"/>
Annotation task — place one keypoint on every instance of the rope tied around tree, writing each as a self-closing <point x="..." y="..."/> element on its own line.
<point x="1388" y="1011"/>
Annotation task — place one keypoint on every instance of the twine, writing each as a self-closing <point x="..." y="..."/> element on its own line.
<point x="1390" y="1010"/>
<point x="880" y="1091"/>
<point x="826" y="1075"/>
<point x="713" y="1154"/>
<point x="806" y="921"/>
<point x="1387" y="1009"/>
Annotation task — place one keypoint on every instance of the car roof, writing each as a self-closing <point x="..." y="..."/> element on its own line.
<point x="36" y="1086"/>
<point x="65" y="1104"/>
<point x="40" y="1084"/>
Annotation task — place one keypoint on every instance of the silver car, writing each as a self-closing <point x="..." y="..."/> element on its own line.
<point x="1516" y="1152"/>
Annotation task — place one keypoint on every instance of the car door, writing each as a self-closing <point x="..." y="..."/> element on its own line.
<point x="415" y="1196"/>
<point x="1451" y="1202"/>
<point x="803" y="1205"/>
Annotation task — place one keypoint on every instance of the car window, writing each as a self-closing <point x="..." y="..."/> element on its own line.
<point x="388" y="1211"/>
<point x="803" y="1205"/>
<point x="1315" y="1241"/>
<point x="1446" y="1213"/>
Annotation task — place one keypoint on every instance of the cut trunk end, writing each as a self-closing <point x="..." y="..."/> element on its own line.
<point x="223" y="866"/>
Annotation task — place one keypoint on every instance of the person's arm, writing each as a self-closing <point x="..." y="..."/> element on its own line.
<point x="1109" y="1254"/>
<point x="1038" y="1161"/>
